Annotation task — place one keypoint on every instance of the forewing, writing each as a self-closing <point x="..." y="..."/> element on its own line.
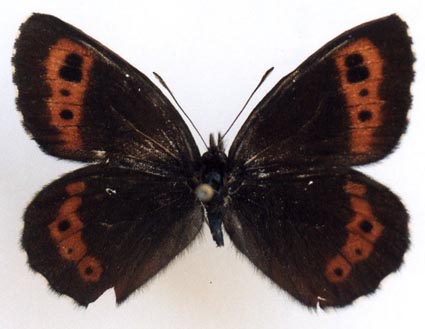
<point x="81" y="101"/>
<point x="345" y="105"/>
<point x="101" y="227"/>
<point x="325" y="238"/>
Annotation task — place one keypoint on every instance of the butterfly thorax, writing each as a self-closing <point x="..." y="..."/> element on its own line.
<point x="210" y="190"/>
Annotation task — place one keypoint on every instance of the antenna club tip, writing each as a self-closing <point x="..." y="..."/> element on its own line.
<point x="268" y="72"/>
<point x="157" y="76"/>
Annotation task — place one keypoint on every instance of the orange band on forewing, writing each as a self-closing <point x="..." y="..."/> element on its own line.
<point x="363" y="231"/>
<point x="56" y="113"/>
<point x="67" y="73"/>
<point x="360" y="68"/>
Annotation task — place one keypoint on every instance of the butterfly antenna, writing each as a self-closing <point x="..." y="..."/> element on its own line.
<point x="249" y="98"/>
<point x="162" y="82"/>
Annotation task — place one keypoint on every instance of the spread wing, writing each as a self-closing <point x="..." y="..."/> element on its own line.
<point x="326" y="238"/>
<point x="101" y="227"/>
<point x="324" y="233"/>
<point x="345" y="105"/>
<point x="81" y="101"/>
<point x="118" y="223"/>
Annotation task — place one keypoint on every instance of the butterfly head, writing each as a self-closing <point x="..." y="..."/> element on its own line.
<point x="214" y="164"/>
<point x="215" y="158"/>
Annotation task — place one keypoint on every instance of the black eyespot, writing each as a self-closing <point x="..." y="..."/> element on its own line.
<point x="88" y="270"/>
<point x="66" y="114"/>
<point x="357" y="74"/>
<point x="63" y="225"/>
<point x="338" y="271"/>
<point x="366" y="226"/>
<point x="353" y="60"/>
<point x="74" y="60"/>
<point x="71" y="74"/>
<point x="364" y="92"/>
<point x="358" y="252"/>
<point x="71" y="70"/>
<point x="65" y="92"/>
<point x="364" y="115"/>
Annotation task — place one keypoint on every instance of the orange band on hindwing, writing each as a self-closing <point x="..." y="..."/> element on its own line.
<point x="360" y="69"/>
<point x="90" y="269"/>
<point x="338" y="269"/>
<point x="66" y="232"/>
<point x="363" y="231"/>
<point x="75" y="188"/>
<point x="73" y="248"/>
<point x="67" y="221"/>
<point x="67" y="70"/>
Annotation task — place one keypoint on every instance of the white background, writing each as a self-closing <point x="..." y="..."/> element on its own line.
<point x="212" y="55"/>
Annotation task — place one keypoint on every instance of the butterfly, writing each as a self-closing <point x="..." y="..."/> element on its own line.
<point x="285" y="192"/>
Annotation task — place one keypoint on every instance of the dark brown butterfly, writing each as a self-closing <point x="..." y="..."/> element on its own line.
<point x="285" y="192"/>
